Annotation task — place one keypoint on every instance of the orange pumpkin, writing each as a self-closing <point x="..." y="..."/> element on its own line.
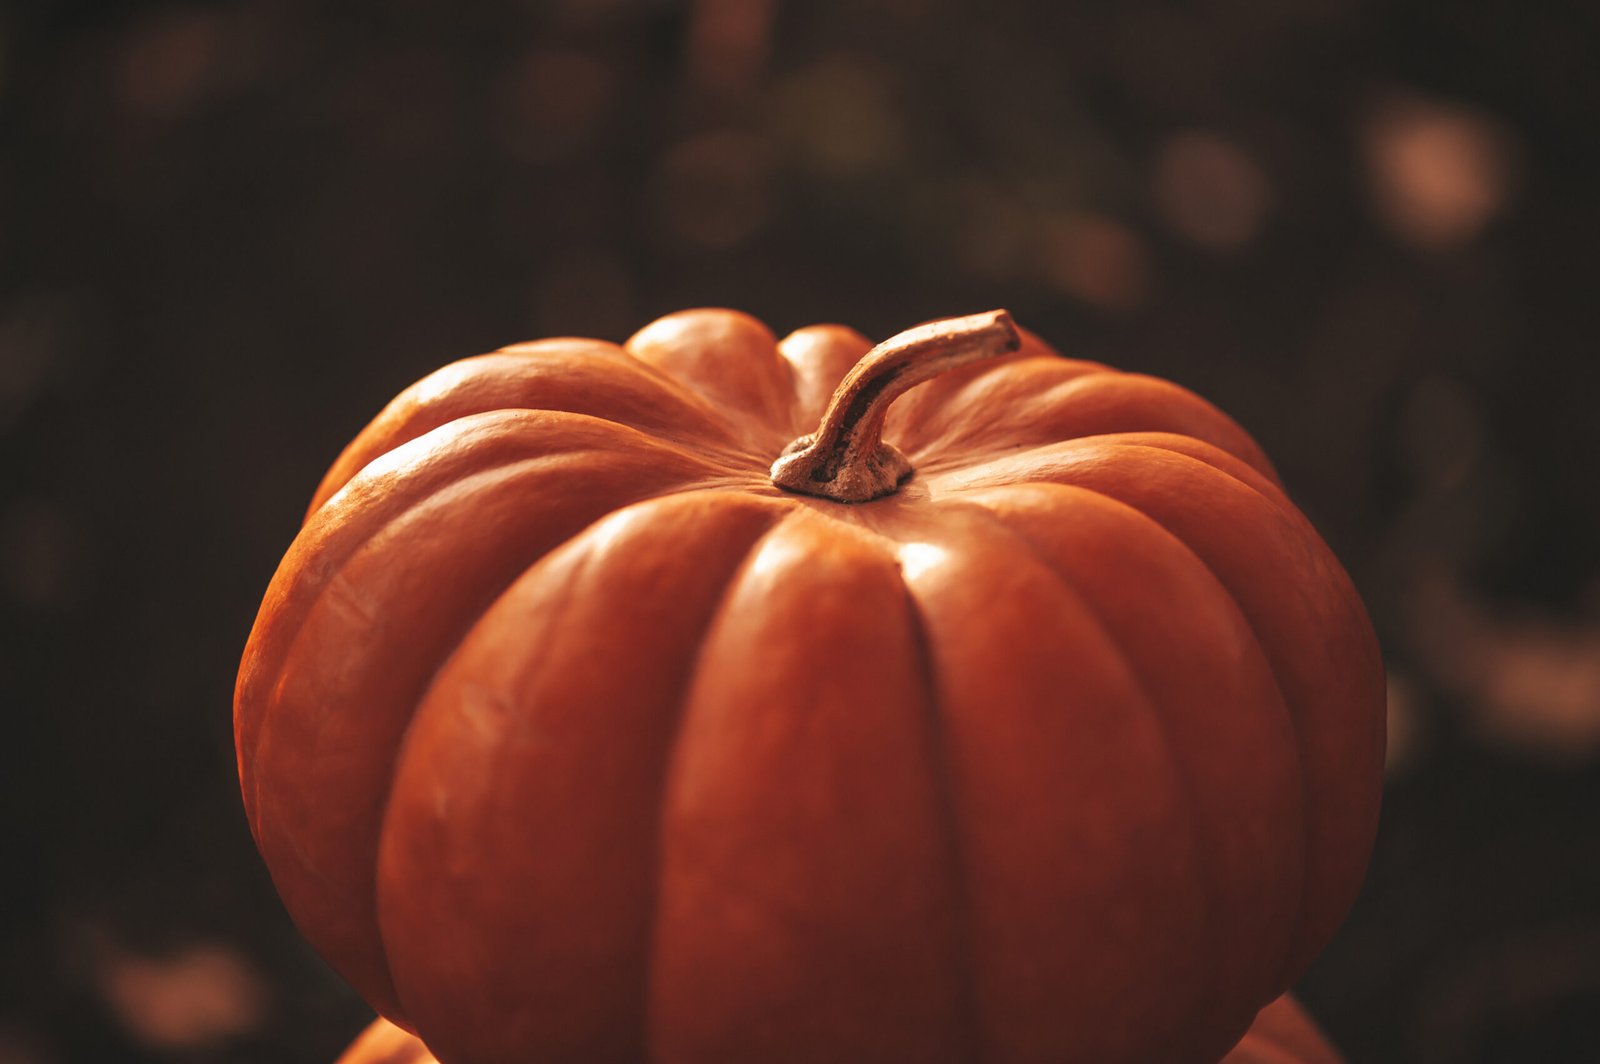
<point x="682" y="700"/>
<point x="384" y="1043"/>
<point x="1281" y="1034"/>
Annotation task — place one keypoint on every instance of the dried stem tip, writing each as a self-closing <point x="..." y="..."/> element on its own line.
<point x="846" y="459"/>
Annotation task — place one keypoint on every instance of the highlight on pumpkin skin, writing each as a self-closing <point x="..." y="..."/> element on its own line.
<point x="918" y="558"/>
<point x="846" y="459"/>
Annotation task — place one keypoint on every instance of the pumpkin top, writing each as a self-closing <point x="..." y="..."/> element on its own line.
<point x="846" y="459"/>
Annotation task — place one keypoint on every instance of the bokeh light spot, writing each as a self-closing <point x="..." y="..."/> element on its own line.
<point x="1438" y="172"/>
<point x="1096" y="259"/>
<point x="1211" y="191"/>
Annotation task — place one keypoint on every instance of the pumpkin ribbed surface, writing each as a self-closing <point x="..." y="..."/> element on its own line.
<point x="567" y="735"/>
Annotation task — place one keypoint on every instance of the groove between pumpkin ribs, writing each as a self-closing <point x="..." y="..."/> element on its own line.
<point x="363" y="528"/>
<point x="674" y="706"/>
<point x="575" y="560"/>
<point x="1270" y="659"/>
<point x="352" y="548"/>
<point x="1284" y="974"/>
<point x="702" y="403"/>
<point x="647" y="1024"/>
<point x="931" y="454"/>
<point x="416" y="412"/>
<point x="369" y="526"/>
<point x="944" y="784"/>
<point x="918" y="726"/>
<point x="1187" y="788"/>
<point x="374" y="515"/>
<point x="725" y="332"/>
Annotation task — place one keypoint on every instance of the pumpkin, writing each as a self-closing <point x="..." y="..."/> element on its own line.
<point x="1281" y="1034"/>
<point x="384" y="1043"/>
<point x="716" y="697"/>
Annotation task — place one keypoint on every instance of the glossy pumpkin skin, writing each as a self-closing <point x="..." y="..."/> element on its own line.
<point x="1281" y="1034"/>
<point x="567" y="736"/>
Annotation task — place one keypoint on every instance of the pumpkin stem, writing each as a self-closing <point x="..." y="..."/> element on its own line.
<point x="846" y="459"/>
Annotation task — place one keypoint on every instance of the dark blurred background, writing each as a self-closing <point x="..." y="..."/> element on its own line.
<point x="230" y="231"/>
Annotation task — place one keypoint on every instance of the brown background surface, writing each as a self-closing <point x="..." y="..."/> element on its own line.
<point x="229" y="231"/>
